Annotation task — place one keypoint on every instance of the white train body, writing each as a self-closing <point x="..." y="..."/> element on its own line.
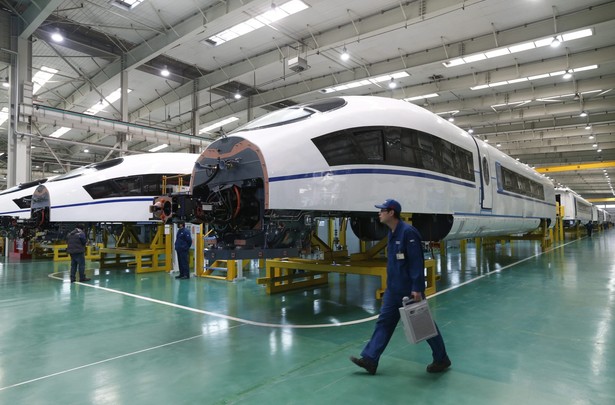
<point x="339" y="157"/>
<point x="576" y="208"/>
<point x="117" y="190"/>
<point x="15" y="201"/>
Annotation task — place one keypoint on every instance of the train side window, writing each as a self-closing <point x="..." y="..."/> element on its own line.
<point x="428" y="152"/>
<point x="486" y="175"/>
<point x="449" y="161"/>
<point x="411" y="152"/>
<point x="466" y="164"/>
<point x="338" y="148"/>
<point x="393" y="146"/>
<point x="152" y="184"/>
<point x="102" y="189"/>
<point x="370" y="143"/>
<point x="129" y="185"/>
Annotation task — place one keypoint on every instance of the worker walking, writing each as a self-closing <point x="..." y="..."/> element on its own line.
<point x="183" y="241"/>
<point x="405" y="277"/>
<point x="76" y="242"/>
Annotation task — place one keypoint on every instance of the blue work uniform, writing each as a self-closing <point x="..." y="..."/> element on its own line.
<point x="76" y="242"/>
<point x="405" y="273"/>
<point x="183" y="241"/>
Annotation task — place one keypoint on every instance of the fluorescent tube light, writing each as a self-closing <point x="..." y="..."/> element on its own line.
<point x="159" y="147"/>
<point x="110" y="99"/>
<point x="59" y="132"/>
<point x="41" y="77"/>
<point x="218" y="124"/>
<point x="266" y="18"/>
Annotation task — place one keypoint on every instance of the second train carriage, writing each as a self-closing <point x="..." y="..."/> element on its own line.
<point x="263" y="184"/>
<point x="116" y="190"/>
<point x="576" y="209"/>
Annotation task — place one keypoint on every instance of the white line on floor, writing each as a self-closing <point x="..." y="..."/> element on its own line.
<point x="245" y="321"/>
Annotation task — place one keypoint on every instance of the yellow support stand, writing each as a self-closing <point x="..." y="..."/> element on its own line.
<point x="154" y="257"/>
<point x="57" y="251"/>
<point x="230" y="267"/>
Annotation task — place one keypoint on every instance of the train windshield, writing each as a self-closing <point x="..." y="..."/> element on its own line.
<point x="293" y="114"/>
<point x="88" y="169"/>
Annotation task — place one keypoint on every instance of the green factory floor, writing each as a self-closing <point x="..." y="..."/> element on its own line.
<point x="521" y="327"/>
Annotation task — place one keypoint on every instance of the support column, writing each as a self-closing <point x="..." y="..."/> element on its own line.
<point x="121" y="136"/>
<point x="195" y="108"/>
<point x="18" y="151"/>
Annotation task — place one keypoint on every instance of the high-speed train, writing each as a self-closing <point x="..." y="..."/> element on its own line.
<point x="263" y="184"/>
<point x="576" y="208"/>
<point x="116" y="190"/>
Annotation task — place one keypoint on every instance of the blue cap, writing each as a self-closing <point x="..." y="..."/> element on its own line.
<point x="390" y="204"/>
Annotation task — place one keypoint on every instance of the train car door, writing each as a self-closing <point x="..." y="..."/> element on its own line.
<point x="486" y="185"/>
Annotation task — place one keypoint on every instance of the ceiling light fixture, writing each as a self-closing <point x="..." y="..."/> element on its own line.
<point x="451" y="119"/>
<point x="59" y="132"/>
<point x="431" y="95"/>
<point x="532" y="78"/>
<point x="555" y="42"/>
<point x="599" y="150"/>
<point x="4" y="115"/>
<point x="392" y="84"/>
<point x="591" y="137"/>
<point x="588" y="127"/>
<point x="126" y="4"/>
<point x="41" y="77"/>
<point x="159" y="147"/>
<point x="110" y="99"/>
<point x="470" y="131"/>
<point x="345" y="55"/>
<point x="165" y="72"/>
<point x="267" y="18"/>
<point x="218" y="124"/>
<point x="237" y="96"/>
<point x="56" y="36"/>
<point x="376" y="80"/>
<point x="6" y="83"/>
<point x="583" y="114"/>
<point x="568" y="74"/>
<point x="519" y="47"/>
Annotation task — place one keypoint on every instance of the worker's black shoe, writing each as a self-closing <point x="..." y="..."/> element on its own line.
<point x="72" y="280"/>
<point x="85" y="279"/>
<point x="439" y="366"/>
<point x="368" y="365"/>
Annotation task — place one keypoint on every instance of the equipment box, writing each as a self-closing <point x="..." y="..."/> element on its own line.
<point x="418" y="323"/>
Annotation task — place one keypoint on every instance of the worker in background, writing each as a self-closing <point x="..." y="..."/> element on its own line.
<point x="405" y="277"/>
<point x="76" y="242"/>
<point x="183" y="241"/>
<point x="590" y="227"/>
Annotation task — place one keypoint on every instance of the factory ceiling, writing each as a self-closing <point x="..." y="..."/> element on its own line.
<point x="490" y="65"/>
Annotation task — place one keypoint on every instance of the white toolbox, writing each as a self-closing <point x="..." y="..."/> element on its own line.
<point x="418" y="323"/>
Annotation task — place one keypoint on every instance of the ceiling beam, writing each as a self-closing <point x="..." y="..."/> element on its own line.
<point x="325" y="41"/>
<point x="582" y="166"/>
<point x="161" y="43"/>
<point x="36" y="14"/>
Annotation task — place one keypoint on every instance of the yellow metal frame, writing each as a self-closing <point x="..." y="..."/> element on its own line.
<point x="157" y="256"/>
<point x="58" y="251"/>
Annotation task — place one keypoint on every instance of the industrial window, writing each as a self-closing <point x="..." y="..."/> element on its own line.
<point x="293" y="114"/>
<point x="145" y="185"/>
<point x="23" y="186"/>
<point x="397" y="147"/>
<point x="88" y="169"/>
<point x="519" y="184"/>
